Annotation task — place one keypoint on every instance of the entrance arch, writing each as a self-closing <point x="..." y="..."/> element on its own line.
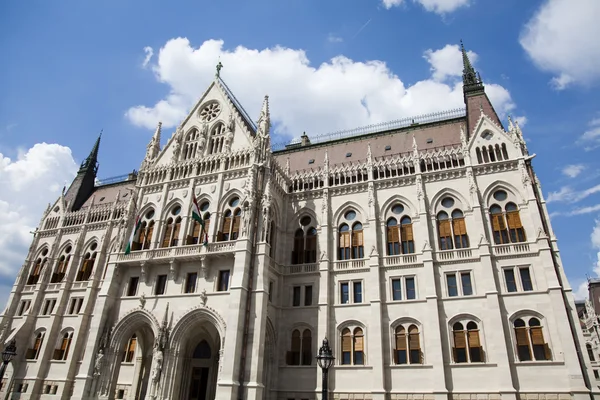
<point x="196" y="343"/>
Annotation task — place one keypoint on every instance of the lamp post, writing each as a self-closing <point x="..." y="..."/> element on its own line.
<point x="325" y="359"/>
<point x="7" y="355"/>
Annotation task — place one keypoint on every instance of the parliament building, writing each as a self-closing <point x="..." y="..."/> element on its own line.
<point x="421" y="248"/>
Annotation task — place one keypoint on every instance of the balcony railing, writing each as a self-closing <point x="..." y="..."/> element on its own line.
<point x="189" y="251"/>
<point x="513" y="249"/>
<point x="349" y="264"/>
<point x="401" y="259"/>
<point x="457" y="254"/>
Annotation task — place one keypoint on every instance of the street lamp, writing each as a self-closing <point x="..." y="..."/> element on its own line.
<point x="325" y="360"/>
<point x="7" y="355"/>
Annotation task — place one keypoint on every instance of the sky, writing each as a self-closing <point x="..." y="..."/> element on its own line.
<point x="71" y="69"/>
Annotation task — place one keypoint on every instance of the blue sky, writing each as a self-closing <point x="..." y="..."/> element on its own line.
<point x="73" y="68"/>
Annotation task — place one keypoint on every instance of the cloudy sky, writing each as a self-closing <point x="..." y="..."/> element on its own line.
<point x="70" y="69"/>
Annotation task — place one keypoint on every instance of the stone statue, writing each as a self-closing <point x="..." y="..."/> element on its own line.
<point x="99" y="363"/>
<point x="158" y="360"/>
<point x="142" y="300"/>
<point x="203" y="297"/>
<point x="177" y="146"/>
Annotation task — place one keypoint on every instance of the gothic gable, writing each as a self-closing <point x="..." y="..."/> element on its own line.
<point x="490" y="142"/>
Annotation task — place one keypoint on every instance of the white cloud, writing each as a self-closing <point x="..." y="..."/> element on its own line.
<point x="573" y="170"/>
<point x="581" y="293"/>
<point x="149" y="53"/>
<point x="560" y="39"/>
<point x="331" y="38"/>
<point x="522" y="120"/>
<point x="595" y="239"/>
<point x="568" y="195"/>
<point x="38" y="174"/>
<point x="436" y="6"/>
<point x="337" y="94"/>
<point x="590" y="139"/>
<point x="447" y="62"/>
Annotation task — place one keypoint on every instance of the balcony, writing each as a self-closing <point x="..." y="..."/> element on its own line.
<point x="401" y="260"/>
<point x="189" y="252"/>
<point x="514" y="249"/>
<point x="299" y="269"/>
<point x="350" y="264"/>
<point x="447" y="256"/>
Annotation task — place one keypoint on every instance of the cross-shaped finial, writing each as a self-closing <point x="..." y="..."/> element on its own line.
<point x="219" y="67"/>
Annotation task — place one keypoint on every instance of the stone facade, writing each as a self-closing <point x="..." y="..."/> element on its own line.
<point x="422" y="249"/>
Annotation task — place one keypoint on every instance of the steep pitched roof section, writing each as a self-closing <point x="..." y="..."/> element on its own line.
<point x="474" y="94"/>
<point x="82" y="186"/>
<point x="246" y="118"/>
<point x="437" y="135"/>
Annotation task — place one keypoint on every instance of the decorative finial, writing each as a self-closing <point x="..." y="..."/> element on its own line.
<point x="219" y="67"/>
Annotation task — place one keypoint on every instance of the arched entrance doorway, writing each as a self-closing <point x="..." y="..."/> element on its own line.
<point x="201" y="371"/>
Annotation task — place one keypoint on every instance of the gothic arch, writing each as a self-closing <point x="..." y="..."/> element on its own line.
<point x="190" y="318"/>
<point x="38" y="253"/>
<point x="437" y="198"/>
<point x="131" y="322"/>
<point x="169" y="206"/>
<point x="146" y="208"/>
<point x="224" y="202"/>
<point x="351" y="322"/>
<point x="462" y="316"/>
<point x="526" y="313"/>
<point x="398" y="198"/>
<point x="498" y="184"/>
<point x="341" y="210"/>
<point x="191" y="128"/>
<point x="89" y="242"/>
<point x="201" y="198"/>
<point x="406" y="320"/>
<point x="63" y="246"/>
<point x="304" y="211"/>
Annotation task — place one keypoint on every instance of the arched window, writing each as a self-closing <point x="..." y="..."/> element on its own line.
<point x="590" y="351"/>
<point x="130" y="348"/>
<point x="513" y="219"/>
<point x="406" y="236"/>
<point x="358" y="249"/>
<point x="504" y="152"/>
<point x="530" y="340"/>
<point x="393" y="237"/>
<point x="305" y="243"/>
<point x="65" y="344"/>
<point x="344" y="242"/>
<point x="444" y="231"/>
<point x="353" y="346"/>
<point x="34" y="351"/>
<point x="459" y="229"/>
<point x="407" y="349"/>
<point x="301" y="349"/>
<point x="191" y="144"/>
<point x="87" y="266"/>
<point x="34" y="277"/>
<point x="478" y="152"/>
<point x="467" y="345"/>
<point x="61" y="268"/>
<point x="199" y="233"/>
<point x="506" y="225"/>
<point x="217" y="138"/>
<point x="230" y="229"/>
<point x="143" y="238"/>
<point x="172" y="228"/>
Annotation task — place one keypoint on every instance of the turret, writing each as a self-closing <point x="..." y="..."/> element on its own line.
<point x="82" y="186"/>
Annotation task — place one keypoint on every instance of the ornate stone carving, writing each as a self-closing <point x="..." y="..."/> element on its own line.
<point x="142" y="301"/>
<point x="203" y="267"/>
<point x="203" y="297"/>
<point x="173" y="269"/>
<point x="99" y="363"/>
<point x="177" y="145"/>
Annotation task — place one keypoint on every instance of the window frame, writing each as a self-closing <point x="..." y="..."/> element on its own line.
<point x="406" y="324"/>
<point x="305" y="357"/>
<point x="351" y="294"/>
<point x="352" y="327"/>
<point x="223" y="285"/>
<point x="403" y="287"/>
<point x="527" y="328"/>
<point x="352" y="251"/>
<point x="516" y="270"/>
<point x="465" y="321"/>
<point x="158" y="283"/>
<point x="459" y="283"/>
<point x="302" y="298"/>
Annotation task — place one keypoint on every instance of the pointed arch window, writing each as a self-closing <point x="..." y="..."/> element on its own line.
<point x="444" y="231"/>
<point x="301" y="349"/>
<point x="406" y="235"/>
<point x="34" y="277"/>
<point x="146" y="231"/>
<point x="34" y="352"/>
<point x="358" y="249"/>
<point x="530" y="340"/>
<point x="467" y="345"/>
<point x="87" y="266"/>
<point x="217" y="138"/>
<point x="198" y="233"/>
<point x="61" y="268"/>
<point x="305" y="243"/>
<point x="393" y="237"/>
<point x="506" y="225"/>
<point x="130" y="348"/>
<point x="407" y="347"/>
<point x="230" y="228"/>
<point x="459" y="230"/>
<point x="65" y="345"/>
<point x="344" y="242"/>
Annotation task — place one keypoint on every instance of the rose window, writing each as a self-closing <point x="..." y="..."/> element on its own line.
<point x="210" y="112"/>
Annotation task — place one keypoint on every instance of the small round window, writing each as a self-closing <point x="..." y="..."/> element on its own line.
<point x="234" y="202"/>
<point x="176" y="210"/>
<point x="305" y="220"/>
<point x="68" y="249"/>
<point x="448" y="202"/>
<point x="150" y="214"/>
<point x="45" y="252"/>
<point x="93" y="246"/>
<point x="210" y="112"/>
<point x="350" y="215"/>
<point x="204" y="206"/>
<point x="500" y="195"/>
<point x="398" y="209"/>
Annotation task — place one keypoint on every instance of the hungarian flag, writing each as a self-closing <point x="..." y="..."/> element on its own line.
<point x="134" y="232"/>
<point x="197" y="217"/>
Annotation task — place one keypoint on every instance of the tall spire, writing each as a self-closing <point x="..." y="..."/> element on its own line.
<point x="471" y="80"/>
<point x="92" y="159"/>
<point x="264" y="120"/>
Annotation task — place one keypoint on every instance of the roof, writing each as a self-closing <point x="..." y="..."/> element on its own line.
<point x="106" y="194"/>
<point x="437" y="135"/>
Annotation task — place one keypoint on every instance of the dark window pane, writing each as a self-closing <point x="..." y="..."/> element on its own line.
<point x="524" y="354"/>
<point x="466" y="283"/>
<point x="539" y="352"/>
<point x="452" y="288"/>
<point x="402" y="357"/>
<point x="359" y="358"/>
<point x="133" y="285"/>
<point x="476" y="354"/>
<point x="396" y="289"/>
<point x="346" y="357"/>
<point x="161" y="282"/>
<point x="223" y="281"/>
<point x="190" y="283"/>
<point x="415" y="356"/>
<point x="511" y="285"/>
<point x="461" y="355"/>
<point x="296" y="300"/>
<point x="345" y="296"/>
<point x="526" y="279"/>
<point x="410" y="289"/>
<point x="308" y="295"/>
<point x="357" y="292"/>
